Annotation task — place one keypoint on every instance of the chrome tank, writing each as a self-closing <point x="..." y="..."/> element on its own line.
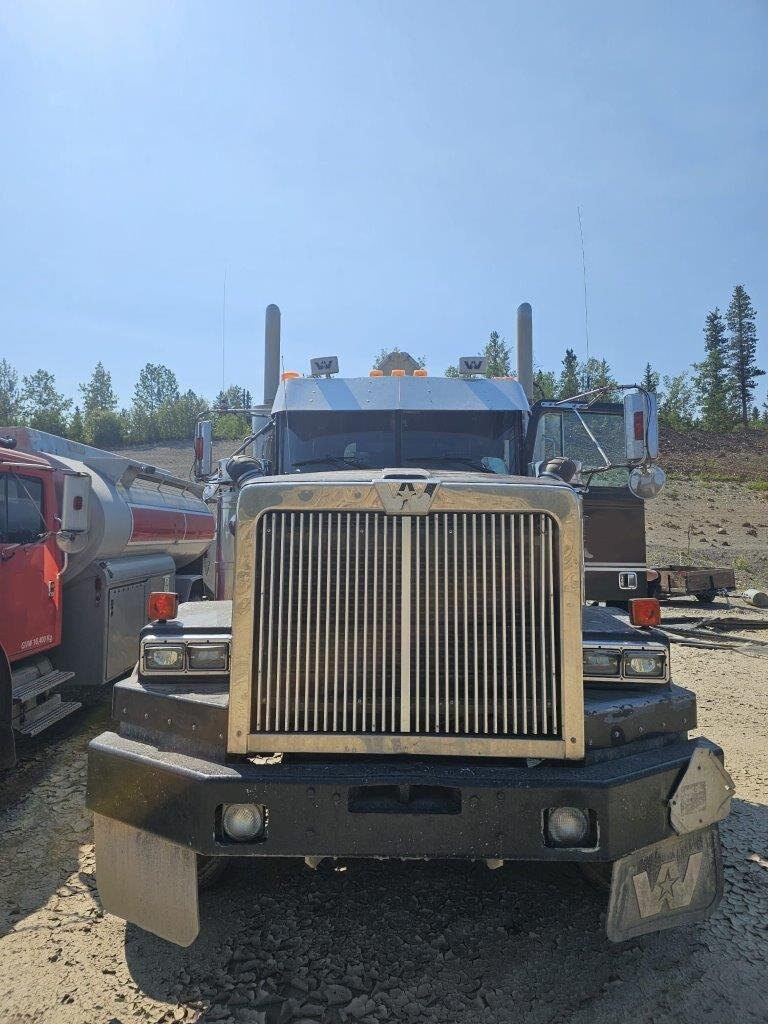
<point x="134" y="509"/>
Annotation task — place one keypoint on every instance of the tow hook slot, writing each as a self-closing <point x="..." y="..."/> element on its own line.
<point x="404" y="799"/>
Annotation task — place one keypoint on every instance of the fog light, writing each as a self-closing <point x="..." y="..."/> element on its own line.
<point x="567" y="826"/>
<point x="242" y="822"/>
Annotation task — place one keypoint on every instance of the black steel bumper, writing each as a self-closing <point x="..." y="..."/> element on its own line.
<point x="390" y="807"/>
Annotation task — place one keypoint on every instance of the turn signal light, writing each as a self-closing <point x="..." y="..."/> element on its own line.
<point x="162" y="605"/>
<point x="644" y="611"/>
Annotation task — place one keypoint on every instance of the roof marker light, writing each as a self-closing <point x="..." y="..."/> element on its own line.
<point x="398" y="373"/>
<point x="289" y="375"/>
<point x="376" y="373"/>
<point x="421" y="372"/>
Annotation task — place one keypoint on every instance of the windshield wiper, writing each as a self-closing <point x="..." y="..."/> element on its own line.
<point x="465" y="460"/>
<point x="334" y="460"/>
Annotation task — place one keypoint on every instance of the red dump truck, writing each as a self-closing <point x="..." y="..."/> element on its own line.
<point x="85" y="535"/>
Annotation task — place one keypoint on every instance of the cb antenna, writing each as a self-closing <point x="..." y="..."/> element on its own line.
<point x="586" y="306"/>
<point x="224" y="331"/>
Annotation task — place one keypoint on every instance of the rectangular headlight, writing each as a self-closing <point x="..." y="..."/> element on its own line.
<point x="164" y="657"/>
<point x="645" y="664"/>
<point x="208" y="657"/>
<point x="601" y="663"/>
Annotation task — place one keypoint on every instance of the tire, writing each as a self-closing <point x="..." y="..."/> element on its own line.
<point x="210" y="870"/>
<point x="707" y="597"/>
<point x="598" y="874"/>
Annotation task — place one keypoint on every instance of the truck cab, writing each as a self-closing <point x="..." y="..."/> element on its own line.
<point x="406" y="668"/>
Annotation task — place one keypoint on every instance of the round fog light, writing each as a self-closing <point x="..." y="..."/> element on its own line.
<point x="242" y="822"/>
<point x="567" y="826"/>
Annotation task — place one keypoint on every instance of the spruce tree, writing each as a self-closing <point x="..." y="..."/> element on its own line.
<point x="650" y="380"/>
<point x="714" y="386"/>
<point x="10" y="399"/>
<point x="568" y="383"/>
<point x="742" y="349"/>
<point x="499" y="357"/>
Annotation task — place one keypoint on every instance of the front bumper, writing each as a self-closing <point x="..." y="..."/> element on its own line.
<point x="391" y="807"/>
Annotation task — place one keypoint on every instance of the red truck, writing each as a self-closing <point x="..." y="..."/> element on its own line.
<point x="85" y="535"/>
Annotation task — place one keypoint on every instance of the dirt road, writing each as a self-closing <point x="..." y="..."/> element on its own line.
<point x="383" y="941"/>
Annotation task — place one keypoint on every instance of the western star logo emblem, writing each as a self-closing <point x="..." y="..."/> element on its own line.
<point x="670" y="889"/>
<point x="406" y="497"/>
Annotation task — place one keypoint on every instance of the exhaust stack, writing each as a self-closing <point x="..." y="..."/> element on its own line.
<point x="525" y="348"/>
<point x="271" y="354"/>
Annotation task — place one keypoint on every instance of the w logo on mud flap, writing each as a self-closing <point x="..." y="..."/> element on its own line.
<point x="406" y="497"/>
<point x="670" y="889"/>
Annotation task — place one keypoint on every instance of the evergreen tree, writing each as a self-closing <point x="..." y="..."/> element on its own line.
<point x="44" y="407"/>
<point x="742" y="349"/>
<point x="234" y="397"/>
<point x="713" y="384"/>
<point x="98" y="392"/>
<point x="156" y="386"/>
<point x="76" y="430"/>
<point x="650" y="380"/>
<point x="596" y="373"/>
<point x="568" y="383"/>
<point x="498" y="356"/>
<point x="677" y="406"/>
<point x="10" y="401"/>
<point x="452" y="371"/>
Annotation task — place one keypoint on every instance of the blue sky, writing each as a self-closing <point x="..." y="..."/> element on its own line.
<point x="400" y="173"/>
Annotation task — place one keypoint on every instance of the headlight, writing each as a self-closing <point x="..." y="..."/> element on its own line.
<point x="164" y="658"/>
<point x="645" y="664"/>
<point x="601" y="663"/>
<point x="208" y="657"/>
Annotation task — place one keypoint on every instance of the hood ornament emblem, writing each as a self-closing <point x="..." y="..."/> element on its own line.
<point x="406" y="497"/>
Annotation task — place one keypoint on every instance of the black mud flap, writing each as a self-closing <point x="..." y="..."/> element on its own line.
<point x="675" y="882"/>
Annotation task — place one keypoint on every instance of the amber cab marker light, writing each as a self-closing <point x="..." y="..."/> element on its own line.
<point x="398" y="373"/>
<point x="289" y="375"/>
<point x="644" y="611"/>
<point x="162" y="605"/>
<point x="376" y="373"/>
<point x="420" y="373"/>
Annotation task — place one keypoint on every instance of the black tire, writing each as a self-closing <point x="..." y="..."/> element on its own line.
<point x="210" y="870"/>
<point x="707" y="597"/>
<point x="598" y="874"/>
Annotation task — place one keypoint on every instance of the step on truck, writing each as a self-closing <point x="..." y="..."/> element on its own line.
<point x="406" y="667"/>
<point x="85" y="537"/>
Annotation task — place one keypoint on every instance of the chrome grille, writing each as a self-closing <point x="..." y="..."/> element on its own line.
<point x="444" y="623"/>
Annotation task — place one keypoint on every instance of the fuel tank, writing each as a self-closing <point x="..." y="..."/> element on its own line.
<point x="134" y="508"/>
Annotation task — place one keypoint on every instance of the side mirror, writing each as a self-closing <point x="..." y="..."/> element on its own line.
<point x="641" y="427"/>
<point x="76" y="494"/>
<point x="203" y="449"/>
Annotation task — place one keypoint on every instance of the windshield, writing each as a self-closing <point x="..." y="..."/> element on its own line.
<point x="485" y="442"/>
<point x="563" y="433"/>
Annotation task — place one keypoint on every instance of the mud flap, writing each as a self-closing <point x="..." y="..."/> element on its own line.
<point x="675" y="882"/>
<point x="146" y="880"/>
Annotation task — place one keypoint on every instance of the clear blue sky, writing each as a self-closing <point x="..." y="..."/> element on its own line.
<point x="390" y="173"/>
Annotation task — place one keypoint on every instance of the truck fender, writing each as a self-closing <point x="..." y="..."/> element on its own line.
<point x="7" y="741"/>
<point x="190" y="588"/>
<point x="146" y="880"/>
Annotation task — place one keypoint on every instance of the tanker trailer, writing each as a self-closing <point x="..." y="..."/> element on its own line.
<point x="85" y="536"/>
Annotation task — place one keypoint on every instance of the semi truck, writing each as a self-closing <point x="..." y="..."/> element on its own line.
<point x="85" y="537"/>
<point x="406" y="667"/>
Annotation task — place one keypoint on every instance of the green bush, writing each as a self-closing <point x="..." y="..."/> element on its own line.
<point x="104" y="428"/>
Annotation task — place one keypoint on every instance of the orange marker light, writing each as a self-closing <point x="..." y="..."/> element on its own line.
<point x="289" y="375"/>
<point x="420" y="373"/>
<point x="644" y="611"/>
<point x="162" y="605"/>
<point x="398" y="373"/>
<point x="376" y="373"/>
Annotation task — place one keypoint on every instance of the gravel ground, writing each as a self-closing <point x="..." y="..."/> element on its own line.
<point x="382" y="941"/>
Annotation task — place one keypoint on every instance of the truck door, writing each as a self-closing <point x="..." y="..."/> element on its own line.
<point x="30" y="587"/>
<point x="614" y="519"/>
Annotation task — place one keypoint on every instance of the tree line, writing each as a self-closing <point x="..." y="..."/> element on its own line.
<point x="716" y="393"/>
<point x="159" y="410"/>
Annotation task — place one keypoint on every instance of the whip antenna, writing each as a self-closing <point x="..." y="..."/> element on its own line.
<point x="586" y="306"/>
